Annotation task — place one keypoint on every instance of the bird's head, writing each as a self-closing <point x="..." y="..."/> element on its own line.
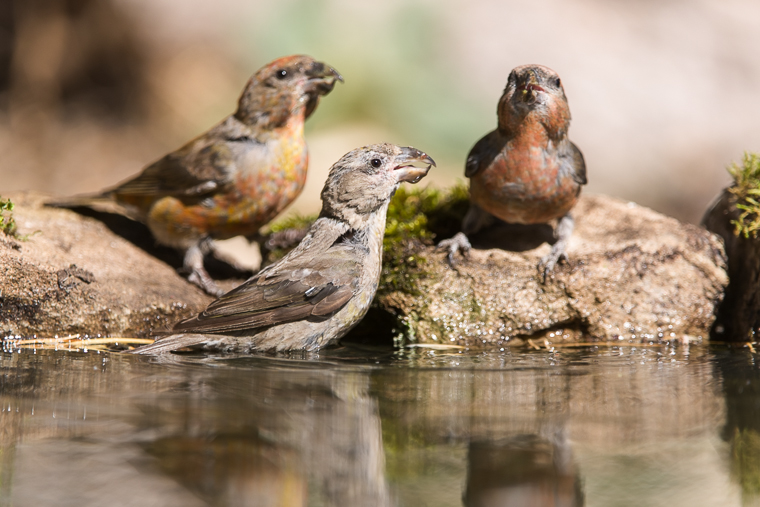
<point x="289" y="86"/>
<point x="534" y="90"/>
<point x="365" y="179"/>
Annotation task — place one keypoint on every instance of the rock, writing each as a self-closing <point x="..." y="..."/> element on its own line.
<point x="632" y="274"/>
<point x="739" y="314"/>
<point x="72" y="275"/>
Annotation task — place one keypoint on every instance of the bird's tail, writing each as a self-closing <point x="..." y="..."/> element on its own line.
<point x="101" y="202"/>
<point x="80" y="201"/>
<point x="171" y="343"/>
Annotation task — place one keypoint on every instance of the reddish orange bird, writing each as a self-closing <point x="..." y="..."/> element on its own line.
<point x="234" y="178"/>
<point x="526" y="171"/>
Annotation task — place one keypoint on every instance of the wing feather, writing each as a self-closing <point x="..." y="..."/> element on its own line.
<point x="579" y="175"/>
<point x="483" y="153"/>
<point x="184" y="173"/>
<point x="287" y="295"/>
<point x="199" y="168"/>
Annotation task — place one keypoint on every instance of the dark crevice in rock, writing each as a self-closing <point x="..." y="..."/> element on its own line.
<point x="738" y="316"/>
<point x="378" y="328"/>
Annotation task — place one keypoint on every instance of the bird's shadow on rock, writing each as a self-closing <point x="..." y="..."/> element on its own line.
<point x="513" y="237"/>
<point x="139" y="235"/>
<point x="446" y="221"/>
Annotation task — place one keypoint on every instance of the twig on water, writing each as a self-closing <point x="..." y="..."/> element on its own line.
<point x="74" y="342"/>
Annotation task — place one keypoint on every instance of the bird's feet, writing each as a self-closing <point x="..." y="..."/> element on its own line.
<point x="202" y="279"/>
<point x="563" y="231"/>
<point x="548" y="262"/>
<point x="458" y="242"/>
<point x="193" y="264"/>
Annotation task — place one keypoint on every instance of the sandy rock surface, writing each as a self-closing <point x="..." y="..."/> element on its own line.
<point x="73" y="275"/>
<point x="632" y="274"/>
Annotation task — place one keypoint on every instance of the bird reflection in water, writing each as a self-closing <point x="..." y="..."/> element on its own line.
<point x="234" y="469"/>
<point x="297" y="439"/>
<point x="523" y="471"/>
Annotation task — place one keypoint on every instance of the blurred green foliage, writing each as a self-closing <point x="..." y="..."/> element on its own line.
<point x="396" y="73"/>
<point x="747" y="191"/>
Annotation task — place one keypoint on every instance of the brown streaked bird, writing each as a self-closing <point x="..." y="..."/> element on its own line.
<point x="526" y="171"/>
<point x="234" y="178"/>
<point x="320" y="290"/>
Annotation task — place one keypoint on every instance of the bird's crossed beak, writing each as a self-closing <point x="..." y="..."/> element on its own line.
<point x="529" y="89"/>
<point x="405" y="169"/>
<point x="322" y="78"/>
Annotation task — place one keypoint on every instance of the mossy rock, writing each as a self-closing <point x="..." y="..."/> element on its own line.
<point x="633" y="274"/>
<point x="735" y="217"/>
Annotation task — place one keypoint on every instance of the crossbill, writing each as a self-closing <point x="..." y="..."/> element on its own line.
<point x="526" y="171"/>
<point x="234" y="178"/>
<point x="316" y="293"/>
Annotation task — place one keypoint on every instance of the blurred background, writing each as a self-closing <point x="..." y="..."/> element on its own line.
<point x="664" y="94"/>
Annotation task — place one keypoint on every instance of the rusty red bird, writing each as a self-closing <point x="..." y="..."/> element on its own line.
<point x="234" y="178"/>
<point x="526" y="171"/>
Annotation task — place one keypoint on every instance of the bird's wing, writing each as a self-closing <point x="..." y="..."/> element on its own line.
<point x="314" y="287"/>
<point x="199" y="168"/>
<point x="579" y="164"/>
<point x="191" y="171"/>
<point x="483" y="153"/>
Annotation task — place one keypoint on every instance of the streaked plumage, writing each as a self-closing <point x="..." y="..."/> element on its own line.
<point x="321" y="289"/>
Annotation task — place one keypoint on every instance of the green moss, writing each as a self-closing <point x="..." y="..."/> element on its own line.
<point x="415" y="218"/>
<point x="7" y="223"/>
<point x="294" y="221"/>
<point x="747" y="191"/>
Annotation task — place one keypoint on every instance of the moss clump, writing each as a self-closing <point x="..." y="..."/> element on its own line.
<point x="294" y="221"/>
<point x="415" y="218"/>
<point x="747" y="191"/>
<point x="7" y="223"/>
<point x="425" y="213"/>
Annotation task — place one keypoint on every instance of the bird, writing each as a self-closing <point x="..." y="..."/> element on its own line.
<point x="324" y="286"/>
<point x="526" y="171"/>
<point x="234" y="178"/>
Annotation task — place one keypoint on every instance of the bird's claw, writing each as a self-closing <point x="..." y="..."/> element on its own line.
<point x="457" y="243"/>
<point x="205" y="282"/>
<point x="547" y="264"/>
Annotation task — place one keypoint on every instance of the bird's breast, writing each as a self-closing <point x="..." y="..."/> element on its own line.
<point x="526" y="183"/>
<point x="267" y="177"/>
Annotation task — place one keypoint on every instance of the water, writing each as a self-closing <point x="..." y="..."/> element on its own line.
<point x="618" y="426"/>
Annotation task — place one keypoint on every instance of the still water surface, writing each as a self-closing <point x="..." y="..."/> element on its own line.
<point x="616" y="426"/>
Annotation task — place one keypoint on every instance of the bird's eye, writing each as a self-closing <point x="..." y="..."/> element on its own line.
<point x="376" y="162"/>
<point x="282" y="74"/>
<point x="557" y="83"/>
